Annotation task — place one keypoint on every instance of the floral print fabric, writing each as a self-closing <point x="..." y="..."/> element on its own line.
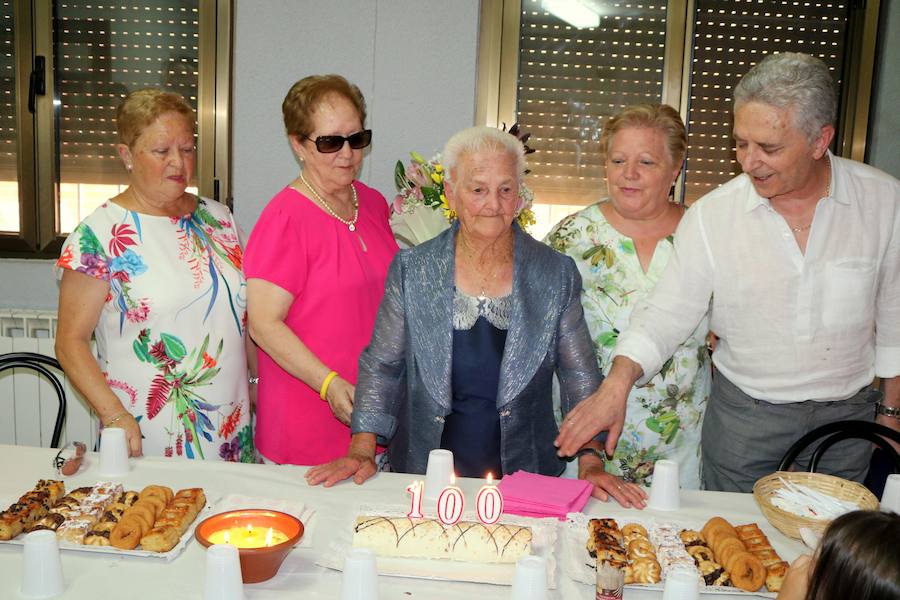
<point x="170" y="339"/>
<point x="663" y="418"/>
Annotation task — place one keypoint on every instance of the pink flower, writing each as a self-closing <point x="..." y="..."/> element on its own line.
<point x="417" y="175"/>
<point x="139" y="313"/>
<point x="397" y="204"/>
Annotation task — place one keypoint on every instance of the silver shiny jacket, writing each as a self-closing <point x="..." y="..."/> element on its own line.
<point x="403" y="391"/>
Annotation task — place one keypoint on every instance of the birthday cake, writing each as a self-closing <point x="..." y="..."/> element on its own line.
<point x="429" y="538"/>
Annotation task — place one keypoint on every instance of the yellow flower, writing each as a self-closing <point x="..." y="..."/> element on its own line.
<point x="438" y="168"/>
<point x="526" y="219"/>
<point x="437" y="177"/>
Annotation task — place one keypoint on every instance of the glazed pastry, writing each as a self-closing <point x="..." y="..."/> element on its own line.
<point x="30" y="508"/>
<point x="713" y="573"/>
<point x="632" y="529"/>
<point x="646" y="570"/>
<point x="160" y="539"/>
<point x="689" y="537"/>
<point x="775" y="576"/>
<point x="670" y="550"/>
<point x="700" y="553"/>
<point x="640" y="548"/>
<point x="429" y="538"/>
<point x="99" y="534"/>
<point x="758" y="545"/>
<point x="746" y="572"/>
<point x="50" y="522"/>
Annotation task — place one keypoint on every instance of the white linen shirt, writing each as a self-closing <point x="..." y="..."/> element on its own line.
<point x="791" y="327"/>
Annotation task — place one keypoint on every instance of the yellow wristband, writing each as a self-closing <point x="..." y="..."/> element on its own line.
<point x="324" y="390"/>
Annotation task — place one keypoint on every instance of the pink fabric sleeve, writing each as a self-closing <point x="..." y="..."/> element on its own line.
<point x="276" y="251"/>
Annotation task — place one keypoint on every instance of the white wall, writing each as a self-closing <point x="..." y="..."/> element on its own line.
<point x="414" y="60"/>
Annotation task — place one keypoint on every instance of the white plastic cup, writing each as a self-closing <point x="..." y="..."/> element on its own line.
<point x="437" y="473"/>
<point x="223" y="573"/>
<point x="665" y="491"/>
<point x="360" y="580"/>
<point x="42" y="575"/>
<point x="113" y="453"/>
<point x="681" y="584"/>
<point x="530" y="579"/>
<point x="890" y="498"/>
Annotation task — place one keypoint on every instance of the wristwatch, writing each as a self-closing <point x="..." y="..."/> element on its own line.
<point x="592" y="451"/>
<point x="889" y="411"/>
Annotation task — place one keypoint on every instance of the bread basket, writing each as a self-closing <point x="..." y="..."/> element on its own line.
<point x="788" y="523"/>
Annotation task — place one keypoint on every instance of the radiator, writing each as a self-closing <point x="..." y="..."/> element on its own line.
<point x="27" y="401"/>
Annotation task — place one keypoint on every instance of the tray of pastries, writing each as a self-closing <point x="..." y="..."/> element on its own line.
<point x="425" y="548"/>
<point x="725" y="557"/>
<point x="105" y="517"/>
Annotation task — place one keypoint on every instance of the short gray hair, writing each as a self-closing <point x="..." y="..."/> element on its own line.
<point x="792" y="80"/>
<point x="478" y="139"/>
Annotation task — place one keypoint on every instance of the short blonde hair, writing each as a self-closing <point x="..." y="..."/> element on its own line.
<point x="304" y="98"/>
<point x="141" y="108"/>
<point x="477" y="139"/>
<point x="658" y="116"/>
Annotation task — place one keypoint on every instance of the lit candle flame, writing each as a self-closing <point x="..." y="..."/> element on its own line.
<point x="249" y="528"/>
<point x="452" y="478"/>
<point x="490" y="478"/>
<point x="227" y="538"/>
<point x="269" y="538"/>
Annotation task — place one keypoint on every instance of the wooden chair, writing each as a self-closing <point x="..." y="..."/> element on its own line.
<point x="40" y="364"/>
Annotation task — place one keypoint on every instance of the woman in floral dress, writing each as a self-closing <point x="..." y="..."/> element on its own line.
<point x="155" y="275"/>
<point x="621" y="246"/>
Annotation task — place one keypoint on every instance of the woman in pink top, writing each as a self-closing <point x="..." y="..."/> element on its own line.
<point x="315" y="265"/>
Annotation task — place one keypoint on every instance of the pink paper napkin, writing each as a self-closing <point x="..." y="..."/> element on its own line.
<point x="533" y="495"/>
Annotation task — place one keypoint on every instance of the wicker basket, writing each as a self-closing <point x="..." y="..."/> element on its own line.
<point x="788" y="523"/>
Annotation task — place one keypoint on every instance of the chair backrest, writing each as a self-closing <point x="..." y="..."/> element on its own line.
<point x="839" y="431"/>
<point x="40" y="364"/>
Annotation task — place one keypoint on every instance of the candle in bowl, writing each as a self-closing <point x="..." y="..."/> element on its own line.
<point x="263" y="538"/>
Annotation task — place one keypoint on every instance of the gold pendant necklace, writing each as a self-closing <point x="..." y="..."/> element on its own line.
<point x="827" y="194"/>
<point x="351" y="223"/>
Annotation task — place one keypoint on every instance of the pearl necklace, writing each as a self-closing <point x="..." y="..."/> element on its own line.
<point x="351" y="223"/>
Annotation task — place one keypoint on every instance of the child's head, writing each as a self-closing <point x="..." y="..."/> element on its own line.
<point x="859" y="558"/>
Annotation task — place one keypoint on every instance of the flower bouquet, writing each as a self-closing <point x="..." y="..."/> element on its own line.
<point x="420" y="210"/>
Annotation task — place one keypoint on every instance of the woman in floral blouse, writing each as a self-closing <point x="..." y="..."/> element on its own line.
<point x="621" y="246"/>
<point x="155" y="275"/>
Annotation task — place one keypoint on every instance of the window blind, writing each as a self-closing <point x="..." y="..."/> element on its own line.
<point x="7" y="95"/>
<point x="730" y="36"/>
<point x="103" y="51"/>
<point x="571" y="80"/>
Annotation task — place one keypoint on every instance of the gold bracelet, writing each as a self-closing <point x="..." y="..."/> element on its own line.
<point x="116" y="418"/>
<point x="324" y="389"/>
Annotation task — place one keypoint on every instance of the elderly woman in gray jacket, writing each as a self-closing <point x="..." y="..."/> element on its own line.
<point x="471" y="330"/>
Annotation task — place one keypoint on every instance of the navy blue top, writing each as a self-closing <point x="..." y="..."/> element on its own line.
<point x="472" y="430"/>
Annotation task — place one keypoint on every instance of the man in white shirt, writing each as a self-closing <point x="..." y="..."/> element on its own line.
<point x="801" y="257"/>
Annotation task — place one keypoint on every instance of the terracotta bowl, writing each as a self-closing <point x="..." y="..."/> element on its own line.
<point x="257" y="564"/>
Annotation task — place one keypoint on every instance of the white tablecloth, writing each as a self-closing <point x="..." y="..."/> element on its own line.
<point x="90" y="576"/>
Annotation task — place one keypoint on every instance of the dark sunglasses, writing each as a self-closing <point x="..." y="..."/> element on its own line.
<point x="329" y="144"/>
<point x="70" y="465"/>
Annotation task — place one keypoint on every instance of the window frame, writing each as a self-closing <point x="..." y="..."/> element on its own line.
<point x="498" y="60"/>
<point x="36" y="141"/>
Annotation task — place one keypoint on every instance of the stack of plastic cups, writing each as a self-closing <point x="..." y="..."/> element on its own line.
<point x="665" y="491"/>
<point x="223" y="573"/>
<point x="530" y="579"/>
<point x="360" y="581"/>
<point x="42" y="575"/>
<point x="113" y="453"/>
